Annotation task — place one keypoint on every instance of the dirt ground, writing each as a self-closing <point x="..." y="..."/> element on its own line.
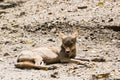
<point x="27" y="24"/>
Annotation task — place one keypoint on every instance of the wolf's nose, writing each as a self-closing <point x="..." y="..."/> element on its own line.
<point x="67" y="51"/>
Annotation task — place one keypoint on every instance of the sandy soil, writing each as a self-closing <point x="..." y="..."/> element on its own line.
<point x="27" y="24"/>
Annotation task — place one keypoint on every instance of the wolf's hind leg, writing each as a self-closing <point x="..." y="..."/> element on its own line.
<point x="29" y="65"/>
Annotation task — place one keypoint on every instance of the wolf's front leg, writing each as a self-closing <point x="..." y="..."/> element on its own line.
<point x="68" y="60"/>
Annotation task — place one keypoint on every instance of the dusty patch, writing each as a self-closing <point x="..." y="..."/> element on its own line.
<point x="30" y="24"/>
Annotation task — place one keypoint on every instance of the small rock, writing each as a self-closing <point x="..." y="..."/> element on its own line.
<point x="110" y="20"/>
<point x="1" y="59"/>
<point x="51" y="40"/>
<point x="44" y="32"/>
<point x="6" y="54"/>
<point x="50" y="13"/>
<point x="82" y="7"/>
<point x="34" y="45"/>
<point x="53" y="30"/>
<point x="22" y="13"/>
<point x="54" y="75"/>
<point x="86" y="37"/>
<point x="103" y="20"/>
<point x="75" y="67"/>
<point x="85" y="50"/>
<point x="15" y="56"/>
<point x="15" y="49"/>
<point x="7" y="42"/>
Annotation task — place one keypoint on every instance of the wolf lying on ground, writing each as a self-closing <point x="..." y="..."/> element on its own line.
<point x="35" y="58"/>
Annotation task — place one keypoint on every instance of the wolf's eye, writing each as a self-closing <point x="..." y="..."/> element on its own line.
<point x="72" y="41"/>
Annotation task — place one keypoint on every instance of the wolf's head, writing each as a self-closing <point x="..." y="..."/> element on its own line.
<point x="69" y="42"/>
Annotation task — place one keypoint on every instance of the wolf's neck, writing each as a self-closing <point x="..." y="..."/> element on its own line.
<point x="62" y="50"/>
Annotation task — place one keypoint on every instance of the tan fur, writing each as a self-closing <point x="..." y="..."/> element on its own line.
<point x="38" y="57"/>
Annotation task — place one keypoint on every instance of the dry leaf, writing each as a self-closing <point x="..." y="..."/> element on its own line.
<point x="27" y="42"/>
<point x="99" y="76"/>
<point x="99" y="60"/>
<point x="100" y="3"/>
<point x="115" y="72"/>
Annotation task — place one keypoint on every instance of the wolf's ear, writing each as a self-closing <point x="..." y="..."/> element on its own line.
<point x="75" y="34"/>
<point x="62" y="36"/>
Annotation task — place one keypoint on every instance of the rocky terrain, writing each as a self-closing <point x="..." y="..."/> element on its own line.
<point x="27" y="24"/>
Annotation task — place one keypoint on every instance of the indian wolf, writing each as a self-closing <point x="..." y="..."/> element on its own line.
<point x="38" y="57"/>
